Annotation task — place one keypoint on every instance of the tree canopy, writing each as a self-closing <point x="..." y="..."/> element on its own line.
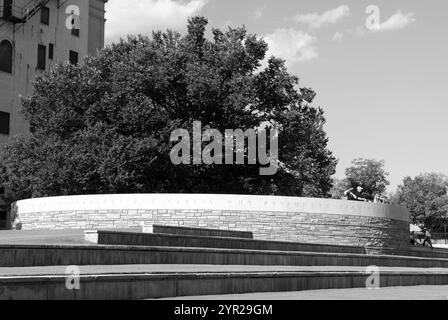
<point x="103" y="126"/>
<point x="426" y="198"/>
<point x="368" y="173"/>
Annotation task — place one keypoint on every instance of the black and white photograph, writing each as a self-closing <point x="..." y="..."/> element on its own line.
<point x="219" y="158"/>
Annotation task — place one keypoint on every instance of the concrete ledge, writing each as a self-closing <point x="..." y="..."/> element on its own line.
<point x="110" y="237"/>
<point x="144" y="286"/>
<point x="178" y="230"/>
<point x="44" y="255"/>
<point x="415" y="251"/>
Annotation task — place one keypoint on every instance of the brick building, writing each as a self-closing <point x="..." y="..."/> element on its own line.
<point x="34" y="36"/>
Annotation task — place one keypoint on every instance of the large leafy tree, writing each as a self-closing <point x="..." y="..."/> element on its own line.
<point x="104" y="125"/>
<point x="426" y="198"/>
<point x="368" y="173"/>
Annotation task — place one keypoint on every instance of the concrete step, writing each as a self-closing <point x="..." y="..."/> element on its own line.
<point x="42" y="255"/>
<point x="420" y="251"/>
<point x="159" y="281"/>
<point x="42" y="237"/>
<point x="111" y="237"/>
<point x="154" y="239"/>
<point x="135" y="236"/>
<point x="67" y="236"/>
<point x="191" y="231"/>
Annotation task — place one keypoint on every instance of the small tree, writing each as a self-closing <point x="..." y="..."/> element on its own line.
<point x="368" y="173"/>
<point x="426" y="198"/>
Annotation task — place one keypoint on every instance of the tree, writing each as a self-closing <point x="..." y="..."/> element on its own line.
<point x="426" y="198"/>
<point x="368" y="173"/>
<point x="104" y="126"/>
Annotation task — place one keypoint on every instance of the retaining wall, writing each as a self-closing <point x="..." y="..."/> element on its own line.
<point x="322" y="221"/>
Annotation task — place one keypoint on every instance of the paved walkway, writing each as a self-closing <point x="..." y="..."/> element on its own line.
<point x="388" y="293"/>
<point x="42" y="237"/>
<point x="73" y="236"/>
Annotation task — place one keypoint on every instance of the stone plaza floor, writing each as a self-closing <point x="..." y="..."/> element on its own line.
<point x="42" y="237"/>
<point x="389" y="293"/>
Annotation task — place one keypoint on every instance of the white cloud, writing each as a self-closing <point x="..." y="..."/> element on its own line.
<point x="291" y="45"/>
<point x="337" y="36"/>
<point x="316" y="20"/>
<point x="396" y="22"/>
<point x="143" y="16"/>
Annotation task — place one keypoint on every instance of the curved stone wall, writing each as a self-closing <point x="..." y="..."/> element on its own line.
<point x="323" y="221"/>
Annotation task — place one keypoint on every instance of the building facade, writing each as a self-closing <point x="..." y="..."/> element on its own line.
<point x="35" y="35"/>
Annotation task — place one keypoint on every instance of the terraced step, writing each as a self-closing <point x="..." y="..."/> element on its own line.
<point x="112" y="237"/>
<point x="136" y="236"/>
<point x="420" y="251"/>
<point x="42" y="255"/>
<point x="74" y="236"/>
<point x="158" y="281"/>
<point x="153" y="239"/>
<point x="205" y="232"/>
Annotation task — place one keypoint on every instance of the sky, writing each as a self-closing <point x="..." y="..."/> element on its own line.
<point x="380" y="68"/>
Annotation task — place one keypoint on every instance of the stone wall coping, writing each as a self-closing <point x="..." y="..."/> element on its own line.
<point x="210" y="202"/>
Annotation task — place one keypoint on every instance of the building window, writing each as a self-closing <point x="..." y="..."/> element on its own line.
<point x="50" y="51"/>
<point x="7" y="9"/>
<point x="6" y="56"/>
<point x="73" y="57"/>
<point x="4" y="122"/>
<point x="41" y="56"/>
<point x="45" y="15"/>
<point x="75" y="32"/>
